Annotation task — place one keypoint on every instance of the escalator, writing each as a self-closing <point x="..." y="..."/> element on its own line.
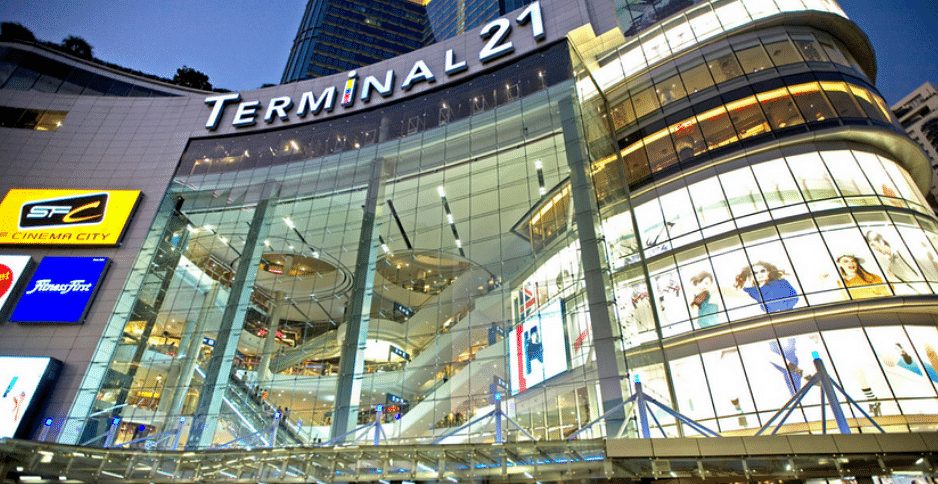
<point x="250" y="419"/>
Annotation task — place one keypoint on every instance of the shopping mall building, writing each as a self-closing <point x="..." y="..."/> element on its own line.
<point x="522" y="221"/>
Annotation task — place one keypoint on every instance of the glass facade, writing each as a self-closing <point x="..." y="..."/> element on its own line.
<point x="515" y="242"/>
<point x="24" y="71"/>
<point x="339" y="36"/>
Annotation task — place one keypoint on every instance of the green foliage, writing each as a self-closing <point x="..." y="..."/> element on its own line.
<point x="10" y="31"/>
<point x="189" y="77"/>
<point x="77" y="46"/>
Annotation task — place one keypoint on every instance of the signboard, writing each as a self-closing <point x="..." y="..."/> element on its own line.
<point x="25" y="383"/>
<point x="61" y="290"/>
<point x="65" y="217"/>
<point x="539" y="349"/>
<point x="12" y="268"/>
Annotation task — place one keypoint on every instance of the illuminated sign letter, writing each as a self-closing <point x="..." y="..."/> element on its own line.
<point x="384" y="90"/>
<point x="348" y="96"/>
<point x="309" y="101"/>
<point x="218" y="105"/>
<point x="420" y="72"/>
<point x="278" y="105"/>
<point x="453" y="67"/>
<point x="245" y="114"/>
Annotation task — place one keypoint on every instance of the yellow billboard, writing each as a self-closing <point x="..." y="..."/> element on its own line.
<point x="65" y="217"/>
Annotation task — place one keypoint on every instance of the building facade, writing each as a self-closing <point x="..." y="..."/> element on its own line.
<point x="339" y="36"/>
<point x="917" y="113"/>
<point x="524" y="219"/>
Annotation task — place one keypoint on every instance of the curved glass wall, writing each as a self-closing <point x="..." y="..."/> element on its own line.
<point x="323" y="284"/>
<point x="419" y="262"/>
<point x="777" y="51"/>
<point x="735" y="386"/>
<point x="683" y="31"/>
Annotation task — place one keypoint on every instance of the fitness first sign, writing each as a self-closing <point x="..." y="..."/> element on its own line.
<point x="499" y="37"/>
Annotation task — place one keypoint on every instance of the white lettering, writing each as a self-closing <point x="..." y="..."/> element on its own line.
<point x="453" y="67"/>
<point x="245" y="114"/>
<point x="280" y="106"/>
<point x="384" y="90"/>
<point x="309" y="101"/>
<point x="43" y="211"/>
<point x="218" y="105"/>
<point x="420" y="72"/>
<point x="45" y="285"/>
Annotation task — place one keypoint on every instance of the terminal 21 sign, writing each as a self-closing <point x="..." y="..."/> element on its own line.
<point x="497" y="37"/>
<point x="65" y="217"/>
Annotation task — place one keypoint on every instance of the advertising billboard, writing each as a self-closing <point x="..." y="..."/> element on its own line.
<point x="25" y="383"/>
<point x="65" y="217"/>
<point x="12" y="269"/>
<point x="538" y="348"/>
<point x="61" y="290"/>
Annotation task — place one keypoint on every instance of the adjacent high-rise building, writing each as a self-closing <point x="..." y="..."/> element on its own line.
<point x="336" y="36"/>
<point x="449" y="18"/>
<point x="918" y="114"/>
<point x="575" y="227"/>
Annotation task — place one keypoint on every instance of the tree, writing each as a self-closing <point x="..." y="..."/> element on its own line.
<point x="189" y="77"/>
<point x="77" y="46"/>
<point x="10" y="31"/>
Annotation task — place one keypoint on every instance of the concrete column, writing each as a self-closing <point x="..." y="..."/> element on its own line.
<point x="358" y="315"/>
<point x="229" y="331"/>
<point x="273" y="323"/>
<point x="592" y="258"/>
<point x="191" y="343"/>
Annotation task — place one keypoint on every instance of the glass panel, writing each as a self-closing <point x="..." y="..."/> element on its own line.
<point x="704" y="22"/>
<point x="897" y="357"/>
<point x="811" y="101"/>
<point x="716" y="127"/>
<point x="655" y="46"/>
<point x="780" y="108"/>
<point x="847" y="173"/>
<point x="747" y="116"/>
<point x="808" y="47"/>
<point x="782" y="52"/>
<point x="743" y="192"/>
<point x="670" y="89"/>
<point x="815" y="182"/>
<point x="731" y="13"/>
<point x="834" y="54"/>
<point x="660" y="150"/>
<point x="865" y="98"/>
<point x="844" y="103"/>
<point x="636" y="163"/>
<point x="623" y="114"/>
<point x="723" y="65"/>
<point x="777" y="184"/>
<point x="645" y="101"/>
<point x="688" y="140"/>
<point x="753" y="59"/>
<point x="696" y="76"/>
<point x="709" y="202"/>
<point x="679" y="34"/>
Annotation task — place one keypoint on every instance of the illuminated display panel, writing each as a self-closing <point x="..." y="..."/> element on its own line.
<point x="65" y="217"/>
<point x="61" y="290"/>
<point x="12" y="268"/>
<point x="538" y="348"/>
<point x="25" y="383"/>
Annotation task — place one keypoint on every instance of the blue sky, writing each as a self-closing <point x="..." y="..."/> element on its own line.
<point x="241" y="46"/>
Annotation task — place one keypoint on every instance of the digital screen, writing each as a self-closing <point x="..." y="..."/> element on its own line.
<point x="65" y="217"/>
<point x="538" y="348"/>
<point x="12" y="268"/>
<point x="24" y="383"/>
<point x="61" y="290"/>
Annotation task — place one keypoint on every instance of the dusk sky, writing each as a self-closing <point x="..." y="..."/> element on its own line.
<point x="240" y="46"/>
